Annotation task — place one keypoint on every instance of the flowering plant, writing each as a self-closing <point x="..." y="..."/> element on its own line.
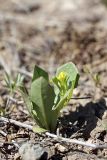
<point x="47" y="97"/>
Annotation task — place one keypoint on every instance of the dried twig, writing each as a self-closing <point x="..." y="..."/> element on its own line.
<point x="1" y="144"/>
<point x="3" y="133"/>
<point x="68" y="140"/>
<point x="61" y="139"/>
<point x="12" y="142"/>
<point x="9" y="143"/>
<point x="88" y="97"/>
<point x="17" y="123"/>
<point x="15" y="100"/>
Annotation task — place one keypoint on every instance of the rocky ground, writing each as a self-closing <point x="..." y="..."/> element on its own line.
<point x="50" y="33"/>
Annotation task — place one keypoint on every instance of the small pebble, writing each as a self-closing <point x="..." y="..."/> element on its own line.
<point x="60" y="148"/>
<point x="30" y="151"/>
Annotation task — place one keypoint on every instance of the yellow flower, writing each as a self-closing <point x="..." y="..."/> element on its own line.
<point x="62" y="76"/>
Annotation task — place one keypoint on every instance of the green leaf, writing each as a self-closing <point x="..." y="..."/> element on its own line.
<point x="64" y="100"/>
<point x="2" y="111"/>
<point x="55" y="81"/>
<point x="39" y="72"/>
<point x="71" y="71"/>
<point x="42" y="96"/>
<point x="72" y="81"/>
<point x="8" y="81"/>
<point x="26" y="98"/>
<point x="19" y="80"/>
<point x="38" y="129"/>
<point x="29" y="104"/>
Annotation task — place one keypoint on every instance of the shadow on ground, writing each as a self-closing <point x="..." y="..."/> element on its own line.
<point x="83" y="120"/>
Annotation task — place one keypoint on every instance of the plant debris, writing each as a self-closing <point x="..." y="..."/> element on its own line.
<point x="48" y="34"/>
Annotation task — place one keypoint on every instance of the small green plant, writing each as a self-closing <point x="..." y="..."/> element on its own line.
<point x="95" y="77"/>
<point x="13" y="85"/>
<point x="46" y="98"/>
<point x="2" y="111"/>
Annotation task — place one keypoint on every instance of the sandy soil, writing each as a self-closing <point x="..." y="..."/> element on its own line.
<point x="50" y="33"/>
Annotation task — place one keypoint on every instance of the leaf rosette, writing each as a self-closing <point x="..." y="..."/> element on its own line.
<point x="46" y="98"/>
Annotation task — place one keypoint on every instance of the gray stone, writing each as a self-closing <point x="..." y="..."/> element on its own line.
<point x="30" y="151"/>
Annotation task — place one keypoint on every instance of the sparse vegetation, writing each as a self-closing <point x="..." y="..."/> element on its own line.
<point x="46" y="98"/>
<point x="46" y="107"/>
